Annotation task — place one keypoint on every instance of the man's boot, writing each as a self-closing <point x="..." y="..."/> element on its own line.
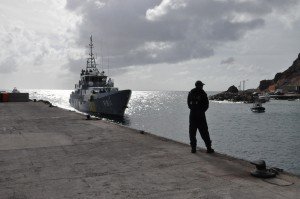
<point x="210" y="150"/>
<point x="193" y="150"/>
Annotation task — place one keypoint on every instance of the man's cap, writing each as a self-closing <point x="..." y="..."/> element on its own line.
<point x="199" y="83"/>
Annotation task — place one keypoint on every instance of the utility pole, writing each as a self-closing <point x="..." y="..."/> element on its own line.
<point x="244" y="82"/>
<point x="239" y="87"/>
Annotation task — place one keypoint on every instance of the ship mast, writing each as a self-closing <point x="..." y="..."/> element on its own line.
<point x="91" y="62"/>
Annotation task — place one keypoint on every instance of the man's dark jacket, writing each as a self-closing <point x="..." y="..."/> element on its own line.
<point x="198" y="102"/>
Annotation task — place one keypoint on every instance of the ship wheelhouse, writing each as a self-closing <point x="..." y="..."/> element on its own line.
<point x="94" y="81"/>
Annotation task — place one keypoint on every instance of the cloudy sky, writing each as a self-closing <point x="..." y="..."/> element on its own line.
<point x="148" y="44"/>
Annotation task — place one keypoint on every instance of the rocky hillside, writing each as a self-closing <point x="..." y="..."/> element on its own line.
<point x="287" y="80"/>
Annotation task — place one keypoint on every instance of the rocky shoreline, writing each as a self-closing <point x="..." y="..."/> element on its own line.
<point x="240" y="96"/>
<point x="284" y="86"/>
<point x="250" y="96"/>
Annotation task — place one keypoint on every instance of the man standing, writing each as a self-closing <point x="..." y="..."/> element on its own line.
<point x="198" y="105"/>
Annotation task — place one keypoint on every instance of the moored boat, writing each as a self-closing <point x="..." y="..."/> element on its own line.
<point x="257" y="107"/>
<point x="264" y="98"/>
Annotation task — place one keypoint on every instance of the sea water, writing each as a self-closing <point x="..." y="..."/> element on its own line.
<point x="273" y="136"/>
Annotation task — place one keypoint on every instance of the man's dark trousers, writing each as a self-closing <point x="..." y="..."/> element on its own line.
<point x="198" y="121"/>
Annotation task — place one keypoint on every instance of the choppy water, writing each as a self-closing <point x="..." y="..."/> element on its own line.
<point x="273" y="136"/>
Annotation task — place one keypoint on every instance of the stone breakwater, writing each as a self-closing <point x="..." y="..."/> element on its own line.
<point x="249" y="97"/>
<point x="241" y="96"/>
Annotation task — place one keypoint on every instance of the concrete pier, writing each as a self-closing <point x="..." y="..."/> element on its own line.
<point x="48" y="152"/>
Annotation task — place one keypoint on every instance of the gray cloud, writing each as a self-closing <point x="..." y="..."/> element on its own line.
<point x="136" y="32"/>
<point x="8" y="65"/>
<point x="21" y="47"/>
<point x="75" y="65"/>
<point x="229" y="60"/>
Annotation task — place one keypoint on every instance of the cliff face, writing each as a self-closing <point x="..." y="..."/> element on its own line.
<point x="287" y="80"/>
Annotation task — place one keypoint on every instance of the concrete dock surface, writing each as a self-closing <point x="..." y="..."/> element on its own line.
<point x="48" y="152"/>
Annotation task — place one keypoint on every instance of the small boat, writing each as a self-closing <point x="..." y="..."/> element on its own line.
<point x="257" y="107"/>
<point x="264" y="98"/>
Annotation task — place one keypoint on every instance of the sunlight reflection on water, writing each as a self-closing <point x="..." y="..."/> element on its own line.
<point x="235" y="130"/>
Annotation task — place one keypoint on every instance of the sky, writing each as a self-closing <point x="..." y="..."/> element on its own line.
<point x="147" y="44"/>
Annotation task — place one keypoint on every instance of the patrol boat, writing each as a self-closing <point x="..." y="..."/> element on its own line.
<point x="95" y="92"/>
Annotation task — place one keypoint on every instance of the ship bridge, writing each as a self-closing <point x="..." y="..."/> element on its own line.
<point x="94" y="80"/>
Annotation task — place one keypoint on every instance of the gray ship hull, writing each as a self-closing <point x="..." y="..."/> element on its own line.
<point x="111" y="103"/>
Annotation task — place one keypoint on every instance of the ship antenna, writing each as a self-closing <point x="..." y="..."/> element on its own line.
<point x="108" y="65"/>
<point x="91" y="47"/>
<point x="102" y="55"/>
<point x="90" y="61"/>
<point x="107" y="62"/>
